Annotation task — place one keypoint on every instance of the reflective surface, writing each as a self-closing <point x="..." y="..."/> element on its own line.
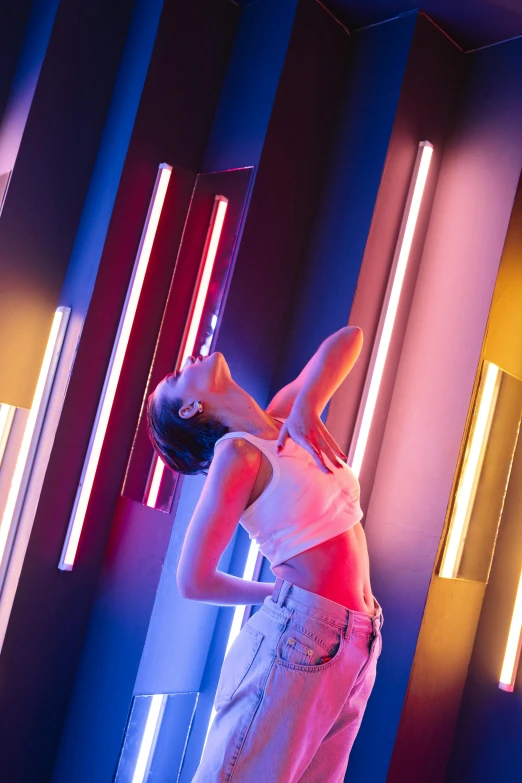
<point x="141" y="474"/>
<point x="483" y="480"/>
<point x="156" y="737"/>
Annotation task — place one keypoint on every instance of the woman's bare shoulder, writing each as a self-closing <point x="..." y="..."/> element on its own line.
<point x="234" y="452"/>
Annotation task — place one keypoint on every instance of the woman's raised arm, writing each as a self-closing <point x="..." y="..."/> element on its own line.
<point x="303" y="400"/>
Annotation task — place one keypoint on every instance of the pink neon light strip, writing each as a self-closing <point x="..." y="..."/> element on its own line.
<point x="113" y="374"/>
<point x="385" y="329"/>
<point x="209" y="256"/>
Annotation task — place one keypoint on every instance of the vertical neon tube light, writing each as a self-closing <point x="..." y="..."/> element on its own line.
<point x="391" y="303"/>
<point x="209" y="256"/>
<point x="467" y="487"/>
<point x="150" y="736"/>
<point x="7" y="413"/>
<point x="33" y="427"/>
<point x="251" y="572"/>
<point x="513" y="646"/>
<point x="115" y="365"/>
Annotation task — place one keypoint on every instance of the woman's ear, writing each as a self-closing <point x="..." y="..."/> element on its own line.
<point x="190" y="409"/>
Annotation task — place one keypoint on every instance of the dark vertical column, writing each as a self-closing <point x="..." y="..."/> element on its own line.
<point x="246" y="101"/>
<point x="14" y="17"/>
<point x="333" y="254"/>
<point x="288" y="182"/>
<point x="20" y="64"/>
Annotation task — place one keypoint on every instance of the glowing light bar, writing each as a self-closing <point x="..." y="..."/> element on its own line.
<point x="7" y="413"/>
<point x="115" y="365"/>
<point x="155" y="484"/>
<point x="465" y="494"/>
<point x="391" y="303"/>
<point x="150" y="735"/>
<point x="514" y="643"/>
<point x="239" y="611"/>
<point x="218" y="218"/>
<point x="209" y="257"/>
<point x="251" y="572"/>
<point x="24" y="462"/>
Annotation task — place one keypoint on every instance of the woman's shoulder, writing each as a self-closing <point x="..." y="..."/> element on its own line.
<point x="235" y="447"/>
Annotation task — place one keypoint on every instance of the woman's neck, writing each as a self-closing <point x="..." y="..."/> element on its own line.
<point x="240" y="413"/>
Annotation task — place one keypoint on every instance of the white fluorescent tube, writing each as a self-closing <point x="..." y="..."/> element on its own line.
<point x="514" y="642"/>
<point x="391" y="303"/>
<point x="7" y="413"/>
<point x="24" y="462"/>
<point x="113" y="374"/>
<point x="465" y="494"/>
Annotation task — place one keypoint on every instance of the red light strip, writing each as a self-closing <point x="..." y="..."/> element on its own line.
<point x="209" y="256"/>
<point x="113" y="373"/>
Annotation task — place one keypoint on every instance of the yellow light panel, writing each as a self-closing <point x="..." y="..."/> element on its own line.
<point x="32" y="429"/>
<point x="466" y="490"/>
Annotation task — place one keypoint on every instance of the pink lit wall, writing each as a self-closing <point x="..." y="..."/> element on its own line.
<point x="442" y="345"/>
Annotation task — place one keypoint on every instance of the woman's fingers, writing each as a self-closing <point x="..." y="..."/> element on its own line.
<point x="303" y="441"/>
<point x="321" y="440"/>
<point x="283" y="437"/>
<point x="332" y="442"/>
<point x="325" y="447"/>
<point x="318" y="443"/>
<point x="317" y="453"/>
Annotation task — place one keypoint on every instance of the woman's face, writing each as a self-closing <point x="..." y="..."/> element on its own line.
<point x="199" y="376"/>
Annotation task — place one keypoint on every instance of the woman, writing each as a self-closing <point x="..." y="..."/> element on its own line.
<point x="294" y="685"/>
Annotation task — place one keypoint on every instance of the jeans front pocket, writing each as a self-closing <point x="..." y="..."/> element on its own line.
<point x="237" y="662"/>
<point x="300" y="647"/>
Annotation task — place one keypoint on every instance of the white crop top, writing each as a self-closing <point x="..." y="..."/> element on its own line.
<point x="301" y="506"/>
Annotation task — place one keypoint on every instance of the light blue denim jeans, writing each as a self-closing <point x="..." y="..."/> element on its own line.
<point x="292" y="692"/>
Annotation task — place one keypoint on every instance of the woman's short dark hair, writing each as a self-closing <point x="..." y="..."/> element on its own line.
<point x="185" y="445"/>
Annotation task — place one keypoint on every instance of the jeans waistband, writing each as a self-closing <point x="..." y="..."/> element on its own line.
<point x="285" y="593"/>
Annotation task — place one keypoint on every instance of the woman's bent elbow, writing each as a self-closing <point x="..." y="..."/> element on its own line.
<point x="188" y="591"/>
<point x="186" y="588"/>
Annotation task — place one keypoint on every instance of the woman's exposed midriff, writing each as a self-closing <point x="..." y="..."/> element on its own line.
<point x="337" y="569"/>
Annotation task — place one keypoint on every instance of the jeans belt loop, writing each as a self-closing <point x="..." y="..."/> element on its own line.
<point x="277" y="589"/>
<point x="349" y="627"/>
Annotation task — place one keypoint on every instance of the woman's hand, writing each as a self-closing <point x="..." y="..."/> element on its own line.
<point x="305" y="427"/>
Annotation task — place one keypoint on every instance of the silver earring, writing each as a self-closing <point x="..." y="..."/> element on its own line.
<point x="200" y="407"/>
